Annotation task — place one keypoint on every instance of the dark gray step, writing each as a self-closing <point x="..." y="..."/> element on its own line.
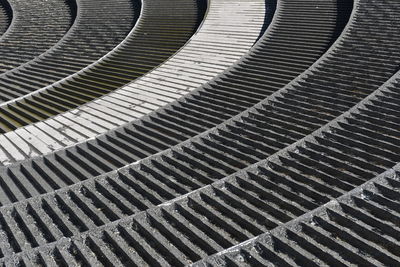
<point x="100" y="75"/>
<point x="96" y="31"/>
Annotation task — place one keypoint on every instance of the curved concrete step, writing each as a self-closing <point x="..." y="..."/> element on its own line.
<point x="150" y="44"/>
<point x="147" y="184"/>
<point x="36" y="26"/>
<point x="6" y="16"/>
<point x="98" y="28"/>
<point x="227" y="33"/>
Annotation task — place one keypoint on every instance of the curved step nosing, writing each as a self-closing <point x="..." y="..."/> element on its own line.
<point x="12" y="24"/>
<point x="82" y="70"/>
<point x="91" y="134"/>
<point x="51" y="49"/>
<point x="162" y="205"/>
<point x="305" y="218"/>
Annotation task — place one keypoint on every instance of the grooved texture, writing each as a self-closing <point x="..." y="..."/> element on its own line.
<point x="305" y="176"/>
<point x="93" y="206"/>
<point x="227" y="33"/>
<point x="360" y="228"/>
<point x="215" y="102"/>
<point x="36" y="26"/>
<point x="154" y="40"/>
<point x="5" y="16"/>
<point x="98" y="28"/>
